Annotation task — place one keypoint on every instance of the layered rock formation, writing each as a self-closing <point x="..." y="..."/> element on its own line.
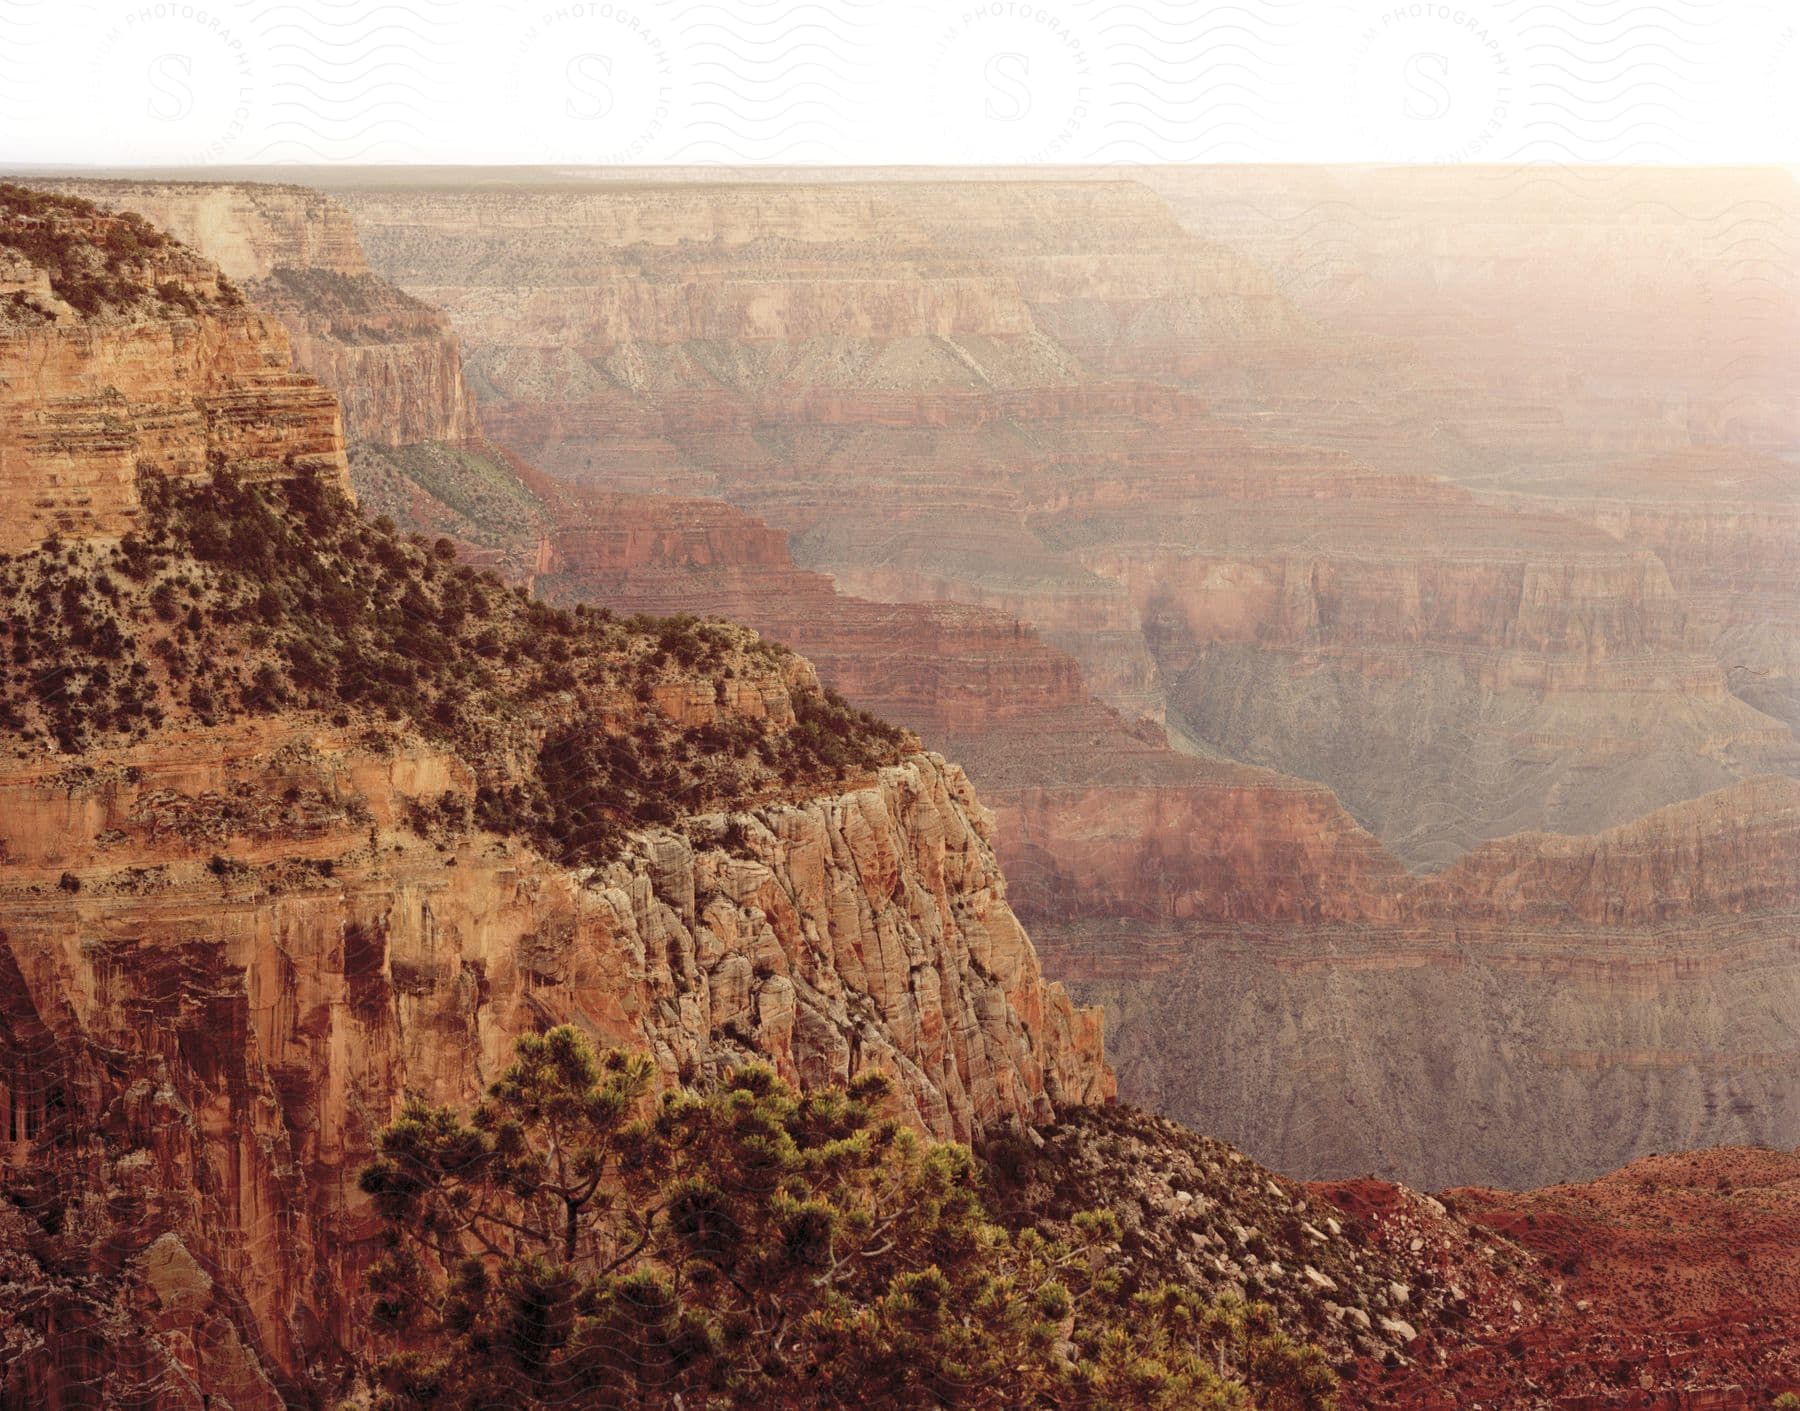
<point x="1282" y="571"/>
<point x="1096" y="819"/>
<point x="229" y="947"/>
<point x="394" y="365"/>
<point x="235" y="938"/>
<point x="1611" y="346"/>
<point x="1319" y="485"/>
<point x="1240" y="923"/>
<point x="1547" y="1008"/>
<point x="165" y="369"/>
<point x="945" y="669"/>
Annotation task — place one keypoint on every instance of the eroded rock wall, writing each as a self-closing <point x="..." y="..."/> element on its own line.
<point x="256" y="959"/>
<point x="89" y="405"/>
<point x="393" y="362"/>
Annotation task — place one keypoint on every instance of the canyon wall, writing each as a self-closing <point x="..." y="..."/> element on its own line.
<point x="1543" y="1010"/>
<point x="392" y="361"/>
<point x="231" y="951"/>
<point x="257" y="959"/>
<point x="173" y="382"/>
<point x="1611" y="345"/>
<point x="1546" y="1006"/>
<point x="1324" y="522"/>
<point x="1096" y="817"/>
<point x="1200" y="483"/>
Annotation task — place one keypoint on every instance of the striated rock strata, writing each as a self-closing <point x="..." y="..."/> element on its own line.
<point x="166" y="370"/>
<point x="395" y="366"/>
<point x="1230" y="440"/>
<point x="1546" y="1009"/>
<point x="237" y="931"/>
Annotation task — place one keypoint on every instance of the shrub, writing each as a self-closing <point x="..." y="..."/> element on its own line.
<point x="281" y="596"/>
<point x="575" y="1242"/>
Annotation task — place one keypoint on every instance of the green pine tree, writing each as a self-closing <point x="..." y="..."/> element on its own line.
<point x="576" y="1242"/>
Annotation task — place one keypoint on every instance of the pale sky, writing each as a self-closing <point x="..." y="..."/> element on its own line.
<point x="913" y="81"/>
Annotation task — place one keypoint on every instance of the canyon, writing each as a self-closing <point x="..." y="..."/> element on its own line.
<point x="1244" y="691"/>
<point x="233" y="947"/>
<point x="1123" y="606"/>
<point x="1593" y="687"/>
<point x="1142" y="432"/>
<point x="1320" y="658"/>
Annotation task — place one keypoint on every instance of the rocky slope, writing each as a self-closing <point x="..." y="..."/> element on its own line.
<point x="1663" y="1286"/>
<point x="1198" y="1212"/>
<point x="1674" y="1281"/>
<point x="307" y="819"/>
<point x="1546" y="1009"/>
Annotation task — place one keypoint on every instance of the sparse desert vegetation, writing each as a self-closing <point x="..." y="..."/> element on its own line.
<point x="247" y="597"/>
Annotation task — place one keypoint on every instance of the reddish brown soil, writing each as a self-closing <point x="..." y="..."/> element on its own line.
<point x="1675" y="1286"/>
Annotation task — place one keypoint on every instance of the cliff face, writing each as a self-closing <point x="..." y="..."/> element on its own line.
<point x="1312" y="639"/>
<point x="1367" y="479"/>
<point x="394" y="365"/>
<point x="1546" y="1009"/>
<point x="1243" y="473"/>
<point x="265" y="1015"/>
<point x="1095" y="819"/>
<point x="234" y="939"/>
<point x="163" y="369"/>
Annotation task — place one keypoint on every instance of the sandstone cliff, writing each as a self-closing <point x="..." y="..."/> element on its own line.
<point x="393" y="363"/>
<point x="309" y="819"/>
<point x="158" y="365"/>
<point x="1236" y="461"/>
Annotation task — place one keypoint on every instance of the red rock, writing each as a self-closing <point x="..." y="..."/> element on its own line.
<point x="1676" y="1288"/>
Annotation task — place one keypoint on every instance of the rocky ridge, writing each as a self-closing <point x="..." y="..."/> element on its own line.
<point x="272" y="862"/>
